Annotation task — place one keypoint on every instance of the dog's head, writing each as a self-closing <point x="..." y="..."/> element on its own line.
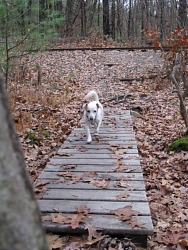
<point x="91" y="110"/>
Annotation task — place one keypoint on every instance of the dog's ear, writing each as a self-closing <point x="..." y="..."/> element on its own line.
<point x="98" y="105"/>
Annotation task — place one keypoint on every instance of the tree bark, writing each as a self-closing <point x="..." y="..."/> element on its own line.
<point x="182" y="12"/>
<point x="19" y="214"/>
<point x="106" y="18"/>
<point x="183" y="110"/>
<point x="113" y="18"/>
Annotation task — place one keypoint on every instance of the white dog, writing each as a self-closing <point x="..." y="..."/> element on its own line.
<point x="93" y="114"/>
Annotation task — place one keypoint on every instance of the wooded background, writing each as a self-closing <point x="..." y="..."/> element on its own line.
<point x="37" y="25"/>
<point x="121" y="20"/>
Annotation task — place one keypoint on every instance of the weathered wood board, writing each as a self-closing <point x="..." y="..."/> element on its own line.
<point x="111" y="160"/>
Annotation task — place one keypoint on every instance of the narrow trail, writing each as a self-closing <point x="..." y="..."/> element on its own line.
<point x="77" y="72"/>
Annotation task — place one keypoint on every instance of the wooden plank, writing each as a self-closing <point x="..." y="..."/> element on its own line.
<point x="97" y="155"/>
<point x="92" y="168"/>
<point x="97" y="207"/>
<point x="105" y="130"/>
<point x="113" y="185"/>
<point x="112" y="176"/>
<point x="73" y="161"/>
<point x="77" y="150"/>
<point x="82" y="161"/>
<point x="91" y="195"/>
<point x="83" y="156"/>
<point x="110" y="225"/>
<point x="95" y="145"/>
<point x="128" y="143"/>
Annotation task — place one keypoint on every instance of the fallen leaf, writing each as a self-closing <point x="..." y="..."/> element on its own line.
<point x="122" y="196"/>
<point x="92" y="232"/>
<point x="135" y="223"/>
<point x="125" y="213"/>
<point x="101" y="184"/>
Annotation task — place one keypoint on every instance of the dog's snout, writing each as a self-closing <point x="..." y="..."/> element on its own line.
<point x="91" y="118"/>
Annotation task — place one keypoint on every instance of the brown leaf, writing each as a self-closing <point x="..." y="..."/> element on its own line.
<point x="63" y="154"/>
<point x="91" y="174"/>
<point x="125" y="213"/>
<point x="75" y="220"/>
<point x="41" y="183"/>
<point x="100" y="184"/>
<point x="121" y="184"/>
<point x="54" y="241"/>
<point x="83" y="209"/>
<point x="92" y="231"/>
<point x="82" y="148"/>
<point x="135" y="223"/>
<point x="60" y="218"/>
<point x="122" y="196"/>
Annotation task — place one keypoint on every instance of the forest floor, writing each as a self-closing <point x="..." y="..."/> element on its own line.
<point x="47" y="94"/>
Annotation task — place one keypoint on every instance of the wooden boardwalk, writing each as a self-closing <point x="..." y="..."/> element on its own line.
<point x="103" y="176"/>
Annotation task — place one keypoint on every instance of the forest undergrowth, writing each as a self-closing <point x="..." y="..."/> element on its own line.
<point x="46" y="101"/>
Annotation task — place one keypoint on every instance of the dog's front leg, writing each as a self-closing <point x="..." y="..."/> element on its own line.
<point x="88" y="133"/>
<point x="97" y="127"/>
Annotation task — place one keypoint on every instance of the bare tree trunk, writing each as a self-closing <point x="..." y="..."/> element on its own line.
<point x="113" y="20"/>
<point x="161" y="19"/>
<point x="68" y="16"/>
<point x="19" y="214"/>
<point x="83" y="18"/>
<point x="182" y="12"/>
<point x="129" y="20"/>
<point x="106" y="18"/>
<point x="183" y="110"/>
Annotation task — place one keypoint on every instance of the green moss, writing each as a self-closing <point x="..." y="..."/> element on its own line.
<point x="178" y="145"/>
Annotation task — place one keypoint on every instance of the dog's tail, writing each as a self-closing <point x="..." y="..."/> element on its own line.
<point x="92" y="94"/>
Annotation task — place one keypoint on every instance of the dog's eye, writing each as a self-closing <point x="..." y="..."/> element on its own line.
<point x="95" y="111"/>
<point x="88" y="111"/>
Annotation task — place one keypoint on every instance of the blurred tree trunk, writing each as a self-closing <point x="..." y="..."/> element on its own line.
<point x="83" y="18"/>
<point x="182" y="12"/>
<point x="161" y="10"/>
<point x="106" y="18"/>
<point x="19" y="214"/>
<point x="68" y="16"/>
<point x="129" y="30"/>
<point x="113" y="20"/>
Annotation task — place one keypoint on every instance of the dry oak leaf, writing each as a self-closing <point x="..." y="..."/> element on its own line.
<point x="76" y="219"/>
<point x="54" y="241"/>
<point x="83" y="209"/>
<point x="82" y="148"/>
<point x="184" y="242"/>
<point x="135" y="223"/>
<point x="60" y="218"/>
<point x="122" y="196"/>
<point x="91" y="174"/>
<point x="125" y="213"/>
<point x="100" y="184"/>
<point x="73" y="219"/>
<point x="122" y="168"/>
<point x="67" y="167"/>
<point x="63" y="154"/>
<point x="92" y="232"/>
<point x="41" y="183"/>
<point x="122" y="184"/>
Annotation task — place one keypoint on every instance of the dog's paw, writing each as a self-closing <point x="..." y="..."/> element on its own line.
<point x="89" y="140"/>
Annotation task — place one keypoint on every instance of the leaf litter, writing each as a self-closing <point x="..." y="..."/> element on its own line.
<point x="45" y="115"/>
